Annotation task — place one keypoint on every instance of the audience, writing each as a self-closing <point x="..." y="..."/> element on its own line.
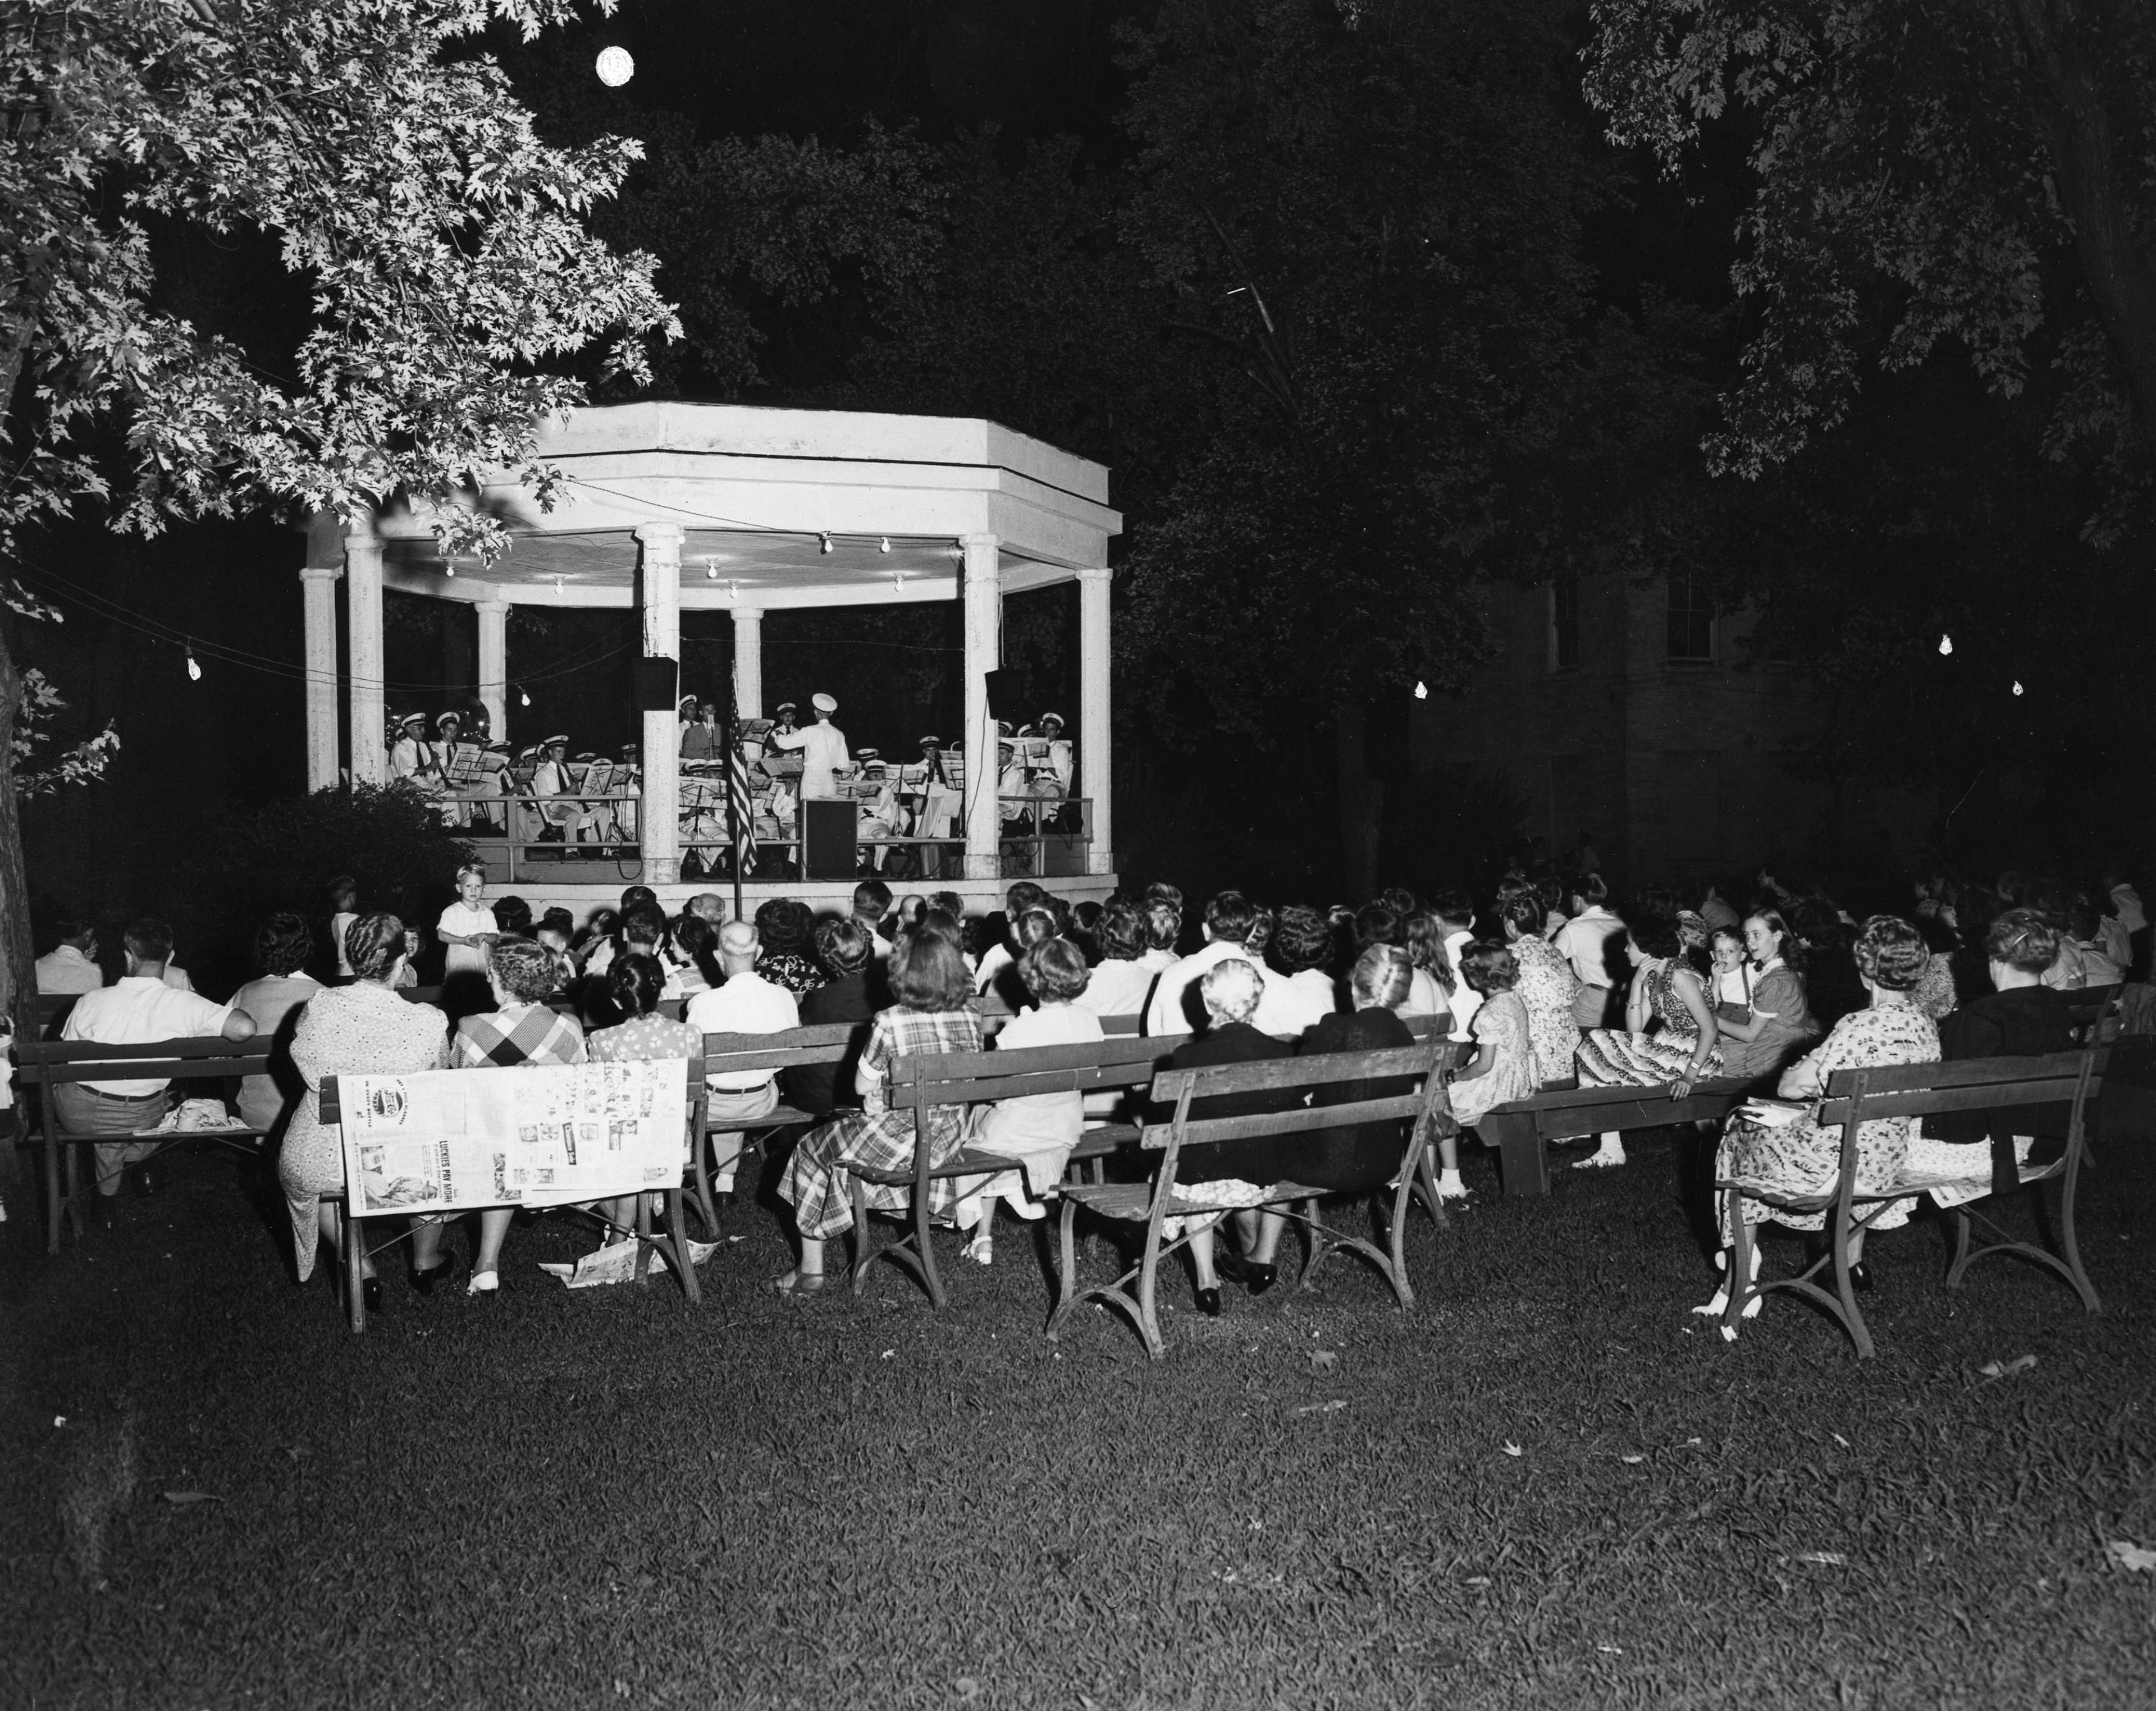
<point x="1583" y="941"/>
<point x="744" y="999"/>
<point x="1366" y="1156"/>
<point x="70" y="966"/>
<point x="1301" y="947"/>
<point x="1777" y="1017"/>
<point x="785" y="937"/>
<point x="1504" y="1068"/>
<point x="1544" y="983"/>
<point x="1666" y="997"/>
<point x="1174" y="1007"/>
<point x="280" y="986"/>
<point x="362" y="1028"/>
<point x="854" y="993"/>
<point x="643" y="1036"/>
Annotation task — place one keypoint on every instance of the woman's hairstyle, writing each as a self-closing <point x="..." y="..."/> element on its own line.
<point x="1036" y="926"/>
<point x="1023" y="896"/>
<point x="1551" y="891"/>
<point x="1398" y="900"/>
<point x="952" y="923"/>
<point x="636" y="895"/>
<point x="344" y="889"/>
<point x="1231" y="989"/>
<point x="1059" y="911"/>
<point x="1085" y="915"/>
<point x="695" y="935"/>
<point x="464" y="872"/>
<point x="283" y="944"/>
<point x="1425" y="933"/>
<point x="1164" y="925"/>
<point x="1587" y="887"/>
<point x="1302" y="939"/>
<point x="1120" y="934"/>
<point x="558" y="920"/>
<point x="1161" y="892"/>
<point x="1053" y="971"/>
<point x="1376" y="924"/>
<point x="513" y="915"/>
<point x="785" y="924"/>
<point x="636" y="981"/>
<point x="843" y="948"/>
<point x="373" y="944"/>
<point x="1453" y="909"/>
<point x="643" y="923"/>
<point x="950" y="903"/>
<point x="1655" y="935"/>
<point x="1891" y="954"/>
<point x="2022" y="939"/>
<point x="1791" y="951"/>
<point x="1382" y="975"/>
<point x="926" y="971"/>
<point x="604" y="924"/>
<point x="1488" y="966"/>
<point x="1230" y="916"/>
<point x="1260" y="938"/>
<point x="522" y="968"/>
<point x="1521" y="906"/>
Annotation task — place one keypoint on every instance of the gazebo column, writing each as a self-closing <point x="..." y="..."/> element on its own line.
<point x="318" y="594"/>
<point x="362" y="605"/>
<point x="660" y="749"/>
<point x="982" y="589"/>
<point x="494" y="666"/>
<point x="1096" y="773"/>
<point x="748" y="662"/>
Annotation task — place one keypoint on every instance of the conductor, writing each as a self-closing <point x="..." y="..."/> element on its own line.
<point x="823" y="748"/>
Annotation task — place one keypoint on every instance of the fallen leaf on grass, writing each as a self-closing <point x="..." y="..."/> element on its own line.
<point x="1824" y="1559"/>
<point x="297" y="1450"/>
<point x="1993" y="1369"/>
<point x="1513" y="1449"/>
<point x="1615" y="1651"/>
<point x="1475" y="1581"/>
<point x="59" y="1420"/>
<point x="1321" y="1407"/>
<point x="968" y="1688"/>
<point x="2130" y="1557"/>
<point x="1634" y="1461"/>
<point x="889" y="1354"/>
<point x="1838" y="1439"/>
<point x="186" y="1497"/>
<point x="1323" y="1360"/>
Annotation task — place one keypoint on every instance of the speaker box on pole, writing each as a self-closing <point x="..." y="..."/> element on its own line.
<point x="1002" y="693"/>
<point x="658" y="684"/>
<point x="828" y="838"/>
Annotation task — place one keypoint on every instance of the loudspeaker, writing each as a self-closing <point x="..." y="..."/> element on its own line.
<point x="1002" y="693"/>
<point x="658" y="684"/>
<point x="829" y="838"/>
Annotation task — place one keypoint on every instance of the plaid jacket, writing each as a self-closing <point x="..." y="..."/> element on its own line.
<point x="524" y="1033"/>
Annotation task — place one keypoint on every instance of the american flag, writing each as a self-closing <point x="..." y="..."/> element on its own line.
<point x="740" y="812"/>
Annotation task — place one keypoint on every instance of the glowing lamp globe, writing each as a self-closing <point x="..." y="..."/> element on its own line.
<point x="615" y="67"/>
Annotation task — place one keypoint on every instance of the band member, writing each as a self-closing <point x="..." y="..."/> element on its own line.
<point x="686" y="712"/>
<point x="823" y="748"/>
<point x="783" y="718"/>
<point x="882" y="816"/>
<point x="413" y="760"/>
<point x="1061" y="764"/>
<point x="448" y="728"/>
<point x="700" y="740"/>
<point x="939" y="804"/>
<point x="1011" y="790"/>
<point x="550" y="778"/>
<point x="628" y="783"/>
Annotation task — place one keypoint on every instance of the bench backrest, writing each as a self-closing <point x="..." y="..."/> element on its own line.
<point x="818" y="1043"/>
<point x="331" y="1109"/>
<point x="54" y="1063"/>
<point x="1970" y="1084"/>
<point x="1428" y="1060"/>
<point x="976" y="1077"/>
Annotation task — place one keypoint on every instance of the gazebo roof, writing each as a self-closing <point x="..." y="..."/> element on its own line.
<point x="758" y="492"/>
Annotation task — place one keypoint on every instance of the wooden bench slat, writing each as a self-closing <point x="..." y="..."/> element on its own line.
<point x="1269" y="1074"/>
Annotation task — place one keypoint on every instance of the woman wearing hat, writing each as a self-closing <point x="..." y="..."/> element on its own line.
<point x="823" y="748"/>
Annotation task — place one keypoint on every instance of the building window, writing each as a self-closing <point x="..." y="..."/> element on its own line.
<point x="1564" y="624"/>
<point x="1691" y="621"/>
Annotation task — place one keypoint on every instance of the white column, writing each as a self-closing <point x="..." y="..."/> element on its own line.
<point x="660" y="749"/>
<point x="494" y="666"/>
<point x="318" y="592"/>
<point x="363" y="598"/>
<point x="1094" y="726"/>
<point x="983" y="591"/>
<point x="748" y="662"/>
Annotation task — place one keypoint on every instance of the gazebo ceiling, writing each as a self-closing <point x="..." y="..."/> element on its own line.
<point x="758" y="493"/>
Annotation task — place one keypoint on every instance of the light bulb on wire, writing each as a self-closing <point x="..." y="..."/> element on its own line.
<point x="194" y="671"/>
<point x="883" y="544"/>
<point x="615" y="66"/>
<point x="1422" y="690"/>
<point x="712" y="570"/>
<point x="1946" y="644"/>
<point x="826" y="539"/>
<point x="2018" y="690"/>
<point x="524" y="697"/>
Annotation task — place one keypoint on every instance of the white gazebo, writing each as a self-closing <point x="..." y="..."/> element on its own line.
<point x="671" y="507"/>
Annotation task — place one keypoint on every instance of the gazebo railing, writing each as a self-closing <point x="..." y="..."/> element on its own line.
<point x="1041" y="838"/>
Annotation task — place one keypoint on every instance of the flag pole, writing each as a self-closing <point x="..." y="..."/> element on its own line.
<point x="732" y="738"/>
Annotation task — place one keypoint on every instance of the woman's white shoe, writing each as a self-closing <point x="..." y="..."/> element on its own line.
<point x="483" y="1283"/>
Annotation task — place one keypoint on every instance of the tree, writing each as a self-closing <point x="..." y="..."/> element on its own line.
<point x="1980" y="172"/>
<point x="442" y="244"/>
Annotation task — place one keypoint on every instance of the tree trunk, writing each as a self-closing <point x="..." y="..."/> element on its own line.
<point x="1361" y="801"/>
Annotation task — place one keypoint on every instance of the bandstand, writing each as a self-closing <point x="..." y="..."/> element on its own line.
<point x="671" y="507"/>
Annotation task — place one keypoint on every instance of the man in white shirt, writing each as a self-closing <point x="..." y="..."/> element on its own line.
<point x="136" y="1009"/>
<point x="1174" y="1007"/>
<point x="1456" y="916"/>
<point x="70" y="966"/>
<point x="823" y="748"/>
<point x="747" y="1004"/>
<point x="871" y="903"/>
<point x="412" y="759"/>
<point x="1583" y="941"/>
<point x="1119" y="984"/>
<point x="550" y="778"/>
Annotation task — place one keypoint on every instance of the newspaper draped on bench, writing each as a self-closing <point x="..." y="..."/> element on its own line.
<point x="452" y="1138"/>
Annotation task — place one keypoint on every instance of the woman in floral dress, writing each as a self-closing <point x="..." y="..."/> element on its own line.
<point x="1803" y="1157"/>
<point x="1546" y="984"/>
<point x="1667" y="996"/>
<point x="933" y="1014"/>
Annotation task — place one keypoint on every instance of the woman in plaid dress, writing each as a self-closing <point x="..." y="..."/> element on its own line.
<point x="523" y="1031"/>
<point x="933" y="1014"/>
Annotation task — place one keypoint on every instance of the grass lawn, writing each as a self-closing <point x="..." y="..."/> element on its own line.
<point x="1548" y="1486"/>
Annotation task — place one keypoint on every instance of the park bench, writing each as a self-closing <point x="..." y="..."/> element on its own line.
<point x="1522" y="1129"/>
<point x="1431" y="1061"/>
<point x="45" y="1064"/>
<point x="670" y="1246"/>
<point x="1854" y="1096"/>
